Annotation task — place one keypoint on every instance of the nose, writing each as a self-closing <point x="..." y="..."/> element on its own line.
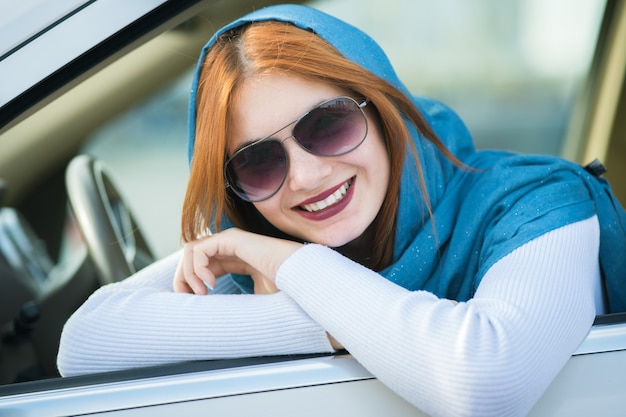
<point x="306" y="171"/>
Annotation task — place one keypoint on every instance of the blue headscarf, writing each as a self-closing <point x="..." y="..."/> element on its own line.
<point x="479" y="215"/>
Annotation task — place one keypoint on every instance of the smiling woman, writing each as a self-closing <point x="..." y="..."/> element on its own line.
<point x="337" y="130"/>
<point x="484" y="266"/>
<point x="506" y="93"/>
<point x="464" y="54"/>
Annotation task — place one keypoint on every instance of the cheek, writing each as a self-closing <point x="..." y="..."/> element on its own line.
<point x="270" y="209"/>
<point x="380" y="181"/>
<point x="377" y="160"/>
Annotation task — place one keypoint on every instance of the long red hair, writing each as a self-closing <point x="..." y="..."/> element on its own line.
<point x="269" y="47"/>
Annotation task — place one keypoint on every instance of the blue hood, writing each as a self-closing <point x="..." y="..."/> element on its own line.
<point x="350" y="41"/>
<point x="479" y="215"/>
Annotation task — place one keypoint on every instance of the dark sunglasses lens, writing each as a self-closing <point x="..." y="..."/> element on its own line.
<point x="256" y="172"/>
<point x="334" y="128"/>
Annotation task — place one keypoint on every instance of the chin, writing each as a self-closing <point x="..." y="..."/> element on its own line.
<point x="335" y="241"/>
<point x="335" y="235"/>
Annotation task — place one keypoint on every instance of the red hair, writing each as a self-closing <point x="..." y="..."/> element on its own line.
<point x="271" y="47"/>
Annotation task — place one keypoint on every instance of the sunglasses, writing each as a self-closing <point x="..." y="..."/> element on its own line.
<point x="258" y="170"/>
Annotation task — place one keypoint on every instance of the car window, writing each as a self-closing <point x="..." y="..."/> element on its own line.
<point x="512" y="70"/>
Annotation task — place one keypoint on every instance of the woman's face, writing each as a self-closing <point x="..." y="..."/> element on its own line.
<point x="305" y="206"/>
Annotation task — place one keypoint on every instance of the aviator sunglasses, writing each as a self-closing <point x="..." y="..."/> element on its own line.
<point x="258" y="170"/>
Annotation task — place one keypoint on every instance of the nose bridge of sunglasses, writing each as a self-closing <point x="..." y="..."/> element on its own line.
<point x="294" y="149"/>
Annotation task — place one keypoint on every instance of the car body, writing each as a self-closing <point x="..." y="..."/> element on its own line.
<point x="591" y="383"/>
<point x="58" y="97"/>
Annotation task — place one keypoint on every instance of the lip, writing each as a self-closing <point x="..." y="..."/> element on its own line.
<point x="321" y="196"/>
<point x="328" y="211"/>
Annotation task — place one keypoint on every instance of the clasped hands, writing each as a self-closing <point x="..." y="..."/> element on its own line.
<point x="232" y="251"/>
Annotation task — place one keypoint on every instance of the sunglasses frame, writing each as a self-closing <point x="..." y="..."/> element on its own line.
<point x="269" y="137"/>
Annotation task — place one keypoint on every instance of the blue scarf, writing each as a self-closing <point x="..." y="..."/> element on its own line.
<point x="479" y="215"/>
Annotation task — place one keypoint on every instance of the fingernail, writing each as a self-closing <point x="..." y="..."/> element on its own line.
<point x="209" y="286"/>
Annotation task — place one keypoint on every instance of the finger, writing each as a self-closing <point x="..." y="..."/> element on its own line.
<point x="182" y="287"/>
<point x="189" y="278"/>
<point x="202" y="266"/>
<point x="179" y="284"/>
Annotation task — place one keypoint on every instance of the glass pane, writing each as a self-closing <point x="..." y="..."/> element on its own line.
<point x="19" y="20"/>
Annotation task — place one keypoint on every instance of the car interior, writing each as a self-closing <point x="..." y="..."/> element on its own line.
<point x="45" y="267"/>
<point x="65" y="227"/>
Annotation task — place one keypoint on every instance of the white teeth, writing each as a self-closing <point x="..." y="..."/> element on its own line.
<point x="330" y="200"/>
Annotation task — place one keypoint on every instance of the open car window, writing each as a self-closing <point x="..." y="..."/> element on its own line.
<point x="514" y="71"/>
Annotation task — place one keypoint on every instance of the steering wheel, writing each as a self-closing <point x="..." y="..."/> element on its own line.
<point x="113" y="238"/>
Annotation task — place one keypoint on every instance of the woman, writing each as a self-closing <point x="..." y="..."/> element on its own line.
<point x="463" y="280"/>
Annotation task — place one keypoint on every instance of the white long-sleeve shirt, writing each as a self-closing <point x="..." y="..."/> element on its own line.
<point x="492" y="355"/>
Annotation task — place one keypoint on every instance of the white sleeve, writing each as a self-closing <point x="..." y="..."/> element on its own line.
<point x="142" y="322"/>
<point x="493" y="355"/>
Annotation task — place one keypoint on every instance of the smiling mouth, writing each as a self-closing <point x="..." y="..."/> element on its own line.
<point x="331" y="200"/>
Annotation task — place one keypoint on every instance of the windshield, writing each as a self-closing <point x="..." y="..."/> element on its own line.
<point x="35" y="50"/>
<point x="23" y="20"/>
